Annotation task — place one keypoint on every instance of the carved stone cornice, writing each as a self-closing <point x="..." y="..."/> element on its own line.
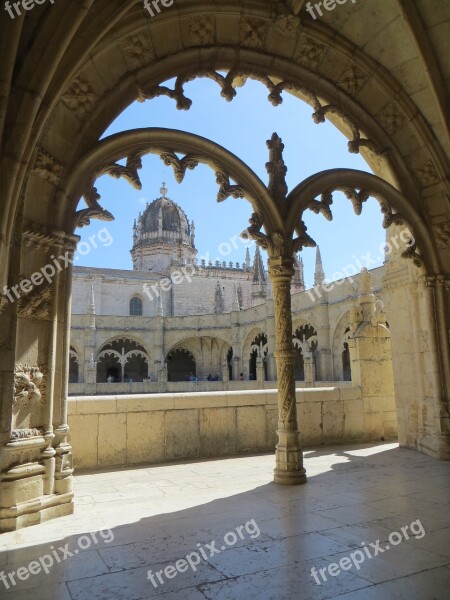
<point x="433" y="281"/>
<point x="36" y="236"/>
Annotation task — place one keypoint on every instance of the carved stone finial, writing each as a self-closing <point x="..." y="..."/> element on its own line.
<point x="277" y="169"/>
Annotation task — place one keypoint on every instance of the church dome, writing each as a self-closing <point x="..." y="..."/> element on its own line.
<point x="171" y="216"/>
<point x="162" y="236"/>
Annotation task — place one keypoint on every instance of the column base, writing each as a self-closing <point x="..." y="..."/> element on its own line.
<point x="289" y="468"/>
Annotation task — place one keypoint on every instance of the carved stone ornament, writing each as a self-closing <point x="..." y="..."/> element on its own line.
<point x="391" y="118"/>
<point x="128" y="172"/>
<point x="80" y="96"/>
<point x="287" y="25"/>
<point x="179" y="165"/>
<point x="352" y="80"/>
<point x="20" y="434"/>
<point x="36" y="237"/>
<point x="427" y="174"/>
<point x="233" y="79"/>
<point x="200" y="31"/>
<point x="310" y="53"/>
<point x="37" y="303"/>
<point x="389" y="217"/>
<point x="253" y="32"/>
<point x="411" y="252"/>
<point x="94" y="211"/>
<point x="277" y="170"/>
<point x="29" y="385"/>
<point x="357" y="198"/>
<point x="137" y="49"/>
<point x="442" y="232"/>
<point x="47" y="167"/>
<point x="226" y="189"/>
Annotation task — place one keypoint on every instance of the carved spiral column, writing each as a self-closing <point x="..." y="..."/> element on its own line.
<point x="289" y="458"/>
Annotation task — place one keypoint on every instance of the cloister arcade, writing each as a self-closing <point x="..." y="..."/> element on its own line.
<point x="57" y="100"/>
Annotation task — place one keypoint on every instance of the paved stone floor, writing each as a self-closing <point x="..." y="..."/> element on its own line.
<point x="267" y="538"/>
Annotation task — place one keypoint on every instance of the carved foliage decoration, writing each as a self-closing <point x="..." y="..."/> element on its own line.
<point x="94" y="211"/>
<point x="391" y="118"/>
<point x="303" y="240"/>
<point x="137" y="49"/>
<point x="37" y="303"/>
<point x="322" y="206"/>
<point x="352" y="80"/>
<point x="310" y="53"/>
<point x="80" y="96"/>
<point x="253" y="32"/>
<point x="412" y="253"/>
<point x="129" y="172"/>
<point x="47" y="167"/>
<point x="390" y="218"/>
<point x="428" y="174"/>
<point x="226" y="189"/>
<point x="200" y="31"/>
<point x="233" y="79"/>
<point x="179" y="165"/>
<point x="357" y="198"/>
<point x="442" y="232"/>
<point x="19" y="434"/>
<point x="29" y="385"/>
<point x="287" y="25"/>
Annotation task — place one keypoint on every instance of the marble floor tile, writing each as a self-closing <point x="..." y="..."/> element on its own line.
<point x="157" y="515"/>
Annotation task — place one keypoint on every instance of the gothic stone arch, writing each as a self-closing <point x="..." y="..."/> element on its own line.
<point x="56" y="106"/>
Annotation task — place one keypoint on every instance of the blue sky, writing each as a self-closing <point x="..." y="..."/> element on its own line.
<point x="241" y="126"/>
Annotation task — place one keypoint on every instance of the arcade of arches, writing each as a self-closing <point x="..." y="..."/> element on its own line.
<point x="69" y="68"/>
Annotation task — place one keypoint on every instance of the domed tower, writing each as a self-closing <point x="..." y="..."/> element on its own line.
<point x="162" y="237"/>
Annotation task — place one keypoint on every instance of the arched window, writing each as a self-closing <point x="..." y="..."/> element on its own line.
<point x="135" y="307"/>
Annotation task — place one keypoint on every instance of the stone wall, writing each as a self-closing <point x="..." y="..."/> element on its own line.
<point x="110" y="431"/>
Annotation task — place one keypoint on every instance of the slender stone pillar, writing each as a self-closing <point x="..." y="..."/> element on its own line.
<point x="289" y="458"/>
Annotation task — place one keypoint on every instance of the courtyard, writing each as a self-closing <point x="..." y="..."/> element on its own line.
<point x="152" y="517"/>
